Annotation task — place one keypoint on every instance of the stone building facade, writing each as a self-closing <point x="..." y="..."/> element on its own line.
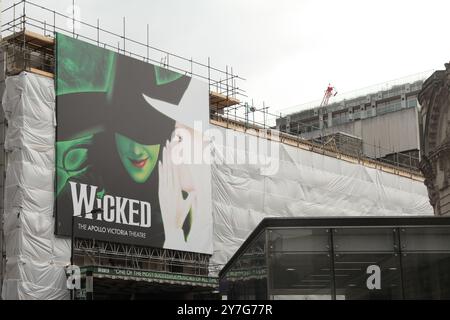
<point x="435" y="139"/>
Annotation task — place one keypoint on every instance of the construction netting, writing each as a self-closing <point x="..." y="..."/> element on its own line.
<point x="304" y="184"/>
<point x="35" y="258"/>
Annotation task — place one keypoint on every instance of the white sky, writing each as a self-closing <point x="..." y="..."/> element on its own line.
<point x="288" y="50"/>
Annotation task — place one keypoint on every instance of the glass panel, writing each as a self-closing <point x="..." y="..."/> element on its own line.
<point x="426" y="275"/>
<point x="247" y="277"/>
<point x="251" y="289"/>
<point x="301" y="276"/>
<point x="368" y="276"/>
<point x="364" y="239"/>
<point x="425" y="239"/>
<point x="412" y="103"/>
<point x="299" y="239"/>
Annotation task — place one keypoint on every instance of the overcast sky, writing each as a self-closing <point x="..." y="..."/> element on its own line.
<point x="288" y="50"/>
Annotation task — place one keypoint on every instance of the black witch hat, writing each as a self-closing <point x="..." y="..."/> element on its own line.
<point x="88" y="107"/>
<point x="130" y="114"/>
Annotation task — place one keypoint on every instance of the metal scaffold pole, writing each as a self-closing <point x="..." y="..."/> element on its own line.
<point x="124" y="36"/>
<point x="73" y="17"/>
<point x="148" y="41"/>
<point x="3" y="174"/>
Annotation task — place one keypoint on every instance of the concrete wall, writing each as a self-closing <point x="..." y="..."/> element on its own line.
<point x="392" y="132"/>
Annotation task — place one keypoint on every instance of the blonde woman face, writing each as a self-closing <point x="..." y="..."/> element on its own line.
<point x="183" y="141"/>
<point x="189" y="171"/>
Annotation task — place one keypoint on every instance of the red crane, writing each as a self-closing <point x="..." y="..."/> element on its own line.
<point x="330" y="92"/>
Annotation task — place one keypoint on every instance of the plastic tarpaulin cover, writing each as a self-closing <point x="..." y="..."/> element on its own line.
<point x="305" y="184"/>
<point x="35" y="258"/>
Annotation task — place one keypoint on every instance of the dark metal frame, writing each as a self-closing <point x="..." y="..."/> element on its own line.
<point x="335" y="222"/>
<point x="102" y="253"/>
<point x="331" y="225"/>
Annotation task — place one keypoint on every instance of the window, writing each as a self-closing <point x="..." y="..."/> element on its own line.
<point x="300" y="264"/>
<point x="247" y="279"/>
<point x="426" y="262"/>
<point x="412" y="102"/>
<point x="301" y="275"/>
<point x="355" y="250"/>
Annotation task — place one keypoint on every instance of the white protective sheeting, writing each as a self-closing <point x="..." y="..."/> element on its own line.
<point x="305" y="184"/>
<point x="35" y="257"/>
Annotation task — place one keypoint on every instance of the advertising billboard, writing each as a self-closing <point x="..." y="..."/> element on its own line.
<point x="119" y="122"/>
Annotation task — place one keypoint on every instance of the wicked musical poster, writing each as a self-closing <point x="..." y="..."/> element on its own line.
<point x="119" y="121"/>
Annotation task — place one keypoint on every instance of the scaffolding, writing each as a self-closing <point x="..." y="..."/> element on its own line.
<point x="89" y="252"/>
<point x="28" y="40"/>
<point x="2" y="184"/>
<point x="343" y="142"/>
<point x="29" y="46"/>
<point x="405" y="169"/>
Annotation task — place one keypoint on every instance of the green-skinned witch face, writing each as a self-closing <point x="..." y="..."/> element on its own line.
<point x="71" y="159"/>
<point x="138" y="159"/>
